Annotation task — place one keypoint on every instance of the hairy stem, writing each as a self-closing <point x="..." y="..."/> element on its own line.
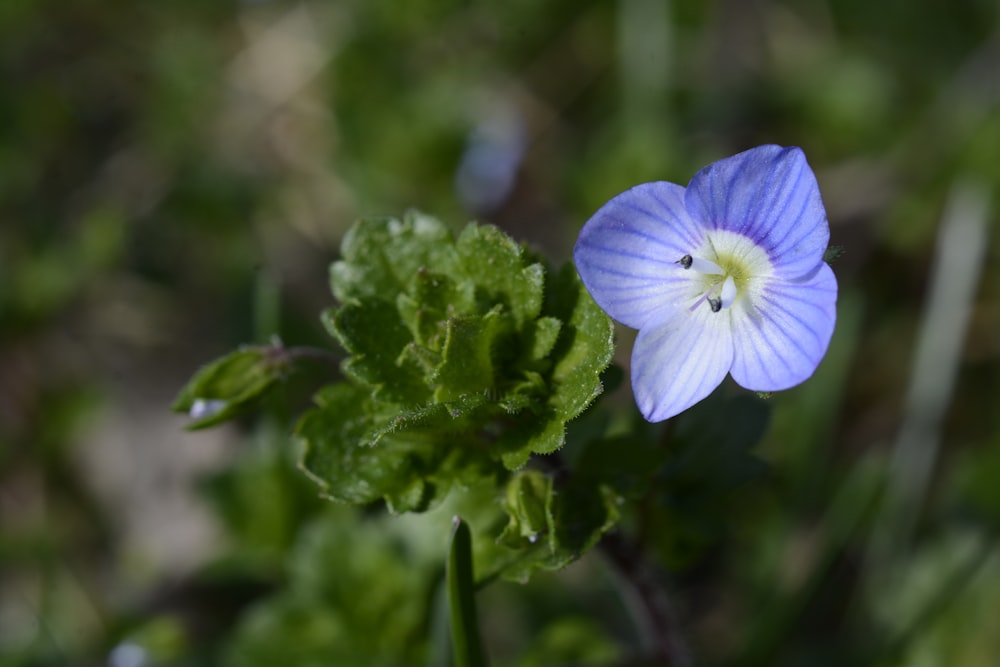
<point x="308" y="353"/>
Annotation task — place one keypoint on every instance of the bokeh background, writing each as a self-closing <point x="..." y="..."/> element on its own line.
<point x="175" y="178"/>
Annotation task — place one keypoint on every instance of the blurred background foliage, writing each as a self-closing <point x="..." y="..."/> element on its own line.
<point x="175" y="178"/>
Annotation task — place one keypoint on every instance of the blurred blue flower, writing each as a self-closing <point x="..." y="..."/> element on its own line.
<point x="488" y="170"/>
<point x="724" y="276"/>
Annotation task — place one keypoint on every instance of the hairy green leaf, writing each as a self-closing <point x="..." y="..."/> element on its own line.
<point x="345" y="452"/>
<point x="431" y="300"/>
<point x="496" y="266"/>
<point x="550" y="523"/>
<point x="371" y="331"/>
<point x="543" y="336"/>
<point x="584" y="348"/>
<point x="467" y="363"/>
<point x="380" y="257"/>
<point x="527" y="505"/>
<point x="533" y="434"/>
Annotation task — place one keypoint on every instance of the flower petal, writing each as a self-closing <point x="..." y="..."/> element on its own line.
<point x="679" y="361"/>
<point x="770" y="195"/>
<point x="781" y="333"/>
<point x="628" y="251"/>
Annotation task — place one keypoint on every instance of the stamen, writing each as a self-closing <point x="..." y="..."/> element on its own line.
<point x="685" y="261"/>
<point x="715" y="304"/>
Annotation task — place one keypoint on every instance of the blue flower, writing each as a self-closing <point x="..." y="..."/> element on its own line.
<point x="724" y="276"/>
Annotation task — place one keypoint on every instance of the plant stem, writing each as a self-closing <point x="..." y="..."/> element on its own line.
<point x="310" y="353"/>
<point x="642" y="587"/>
<point x="646" y="599"/>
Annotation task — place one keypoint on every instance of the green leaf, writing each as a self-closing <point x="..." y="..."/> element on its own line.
<point x="431" y="299"/>
<point x="346" y="451"/>
<point x="527" y="505"/>
<point x="532" y="434"/>
<point x="468" y="650"/>
<point x="438" y="420"/>
<point x="381" y="256"/>
<point x="227" y="386"/>
<point x="543" y="335"/>
<point x="467" y="365"/>
<point x="552" y="524"/>
<point x="585" y="346"/>
<point x="496" y="266"/>
<point x="582" y="512"/>
<point x="371" y="331"/>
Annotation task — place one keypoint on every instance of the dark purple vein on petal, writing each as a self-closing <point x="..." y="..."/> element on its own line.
<point x="792" y="315"/>
<point x="614" y="250"/>
<point x="791" y="339"/>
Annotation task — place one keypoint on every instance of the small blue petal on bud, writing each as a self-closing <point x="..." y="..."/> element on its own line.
<point x="206" y="407"/>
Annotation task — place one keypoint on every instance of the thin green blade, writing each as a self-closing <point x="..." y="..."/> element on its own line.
<point x="468" y="650"/>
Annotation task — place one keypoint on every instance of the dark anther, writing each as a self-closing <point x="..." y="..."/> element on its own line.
<point x="685" y="261"/>
<point x="715" y="304"/>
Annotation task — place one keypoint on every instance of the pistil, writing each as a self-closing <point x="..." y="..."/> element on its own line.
<point x="727" y="291"/>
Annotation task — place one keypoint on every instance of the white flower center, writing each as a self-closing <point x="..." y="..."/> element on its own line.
<point x="725" y="268"/>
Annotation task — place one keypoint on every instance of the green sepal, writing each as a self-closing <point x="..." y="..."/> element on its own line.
<point x="231" y="384"/>
<point x="834" y="253"/>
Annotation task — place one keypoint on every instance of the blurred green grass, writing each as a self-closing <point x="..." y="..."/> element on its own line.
<point x="159" y="162"/>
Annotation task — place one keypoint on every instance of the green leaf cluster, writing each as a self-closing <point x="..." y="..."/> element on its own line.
<point x="466" y="355"/>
